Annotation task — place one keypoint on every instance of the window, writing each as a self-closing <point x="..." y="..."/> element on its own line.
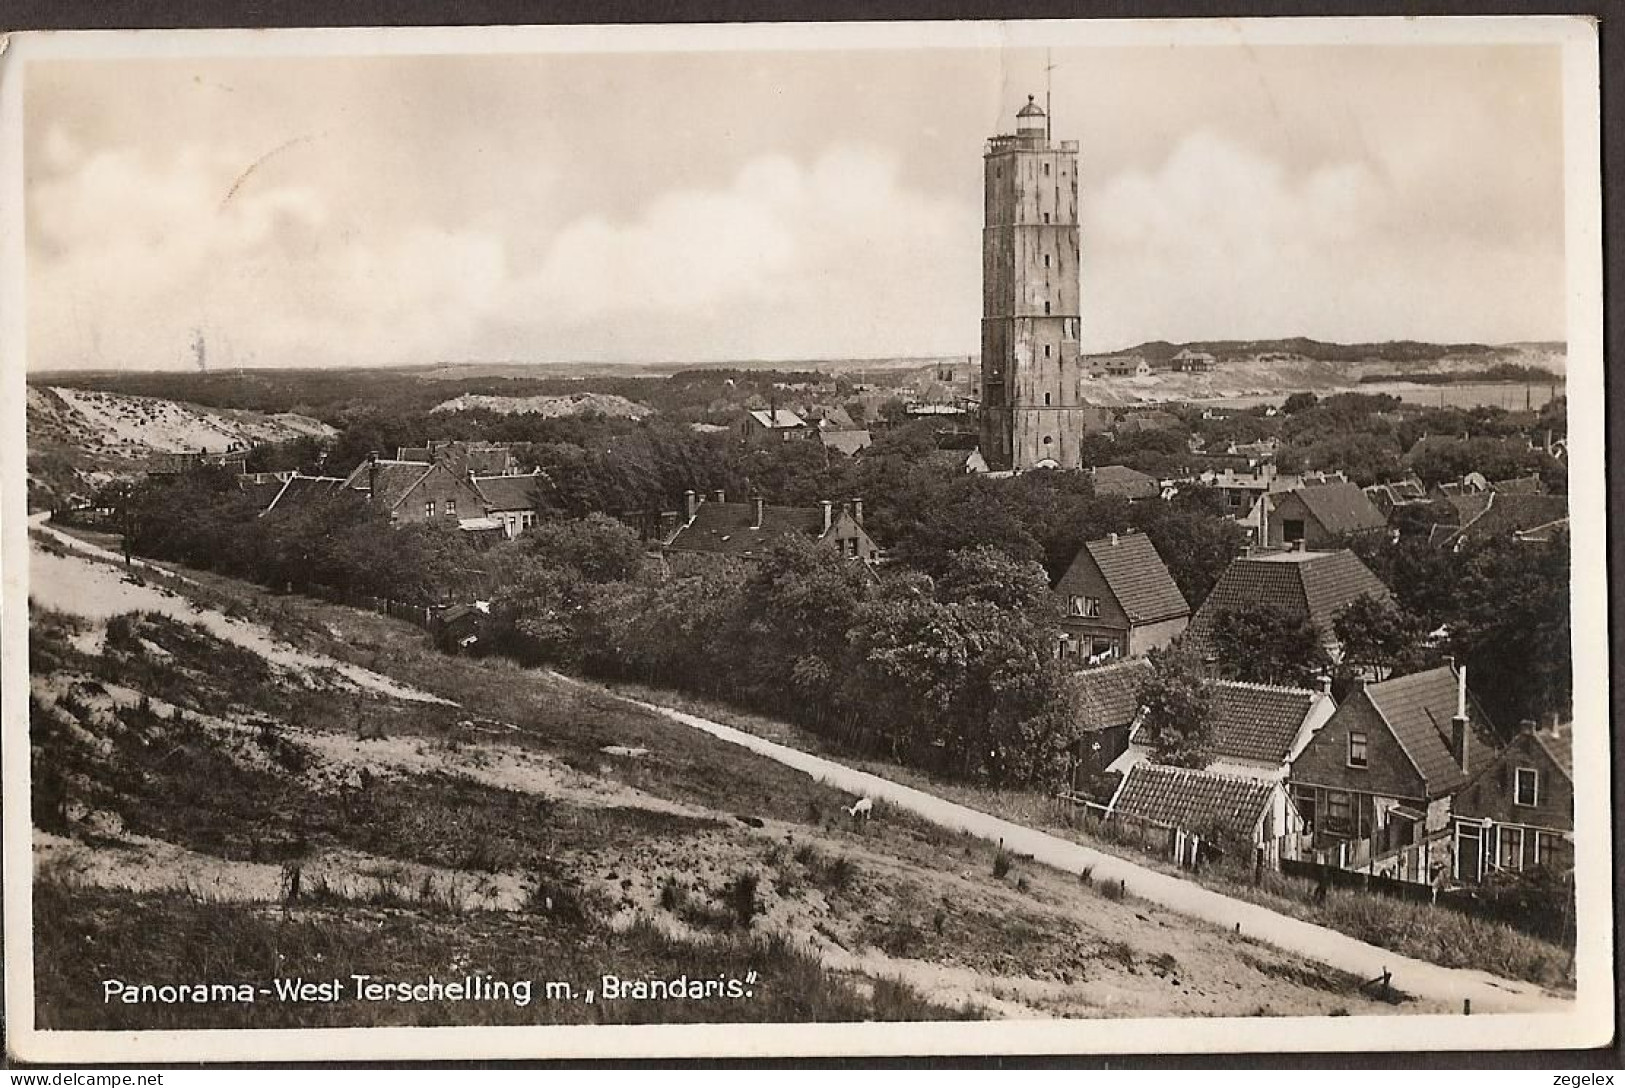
<point x="1511" y="842"/>
<point x="1526" y="787"/>
<point x="1046" y="217"/>
<point x="1046" y="260"/>
<point x="526" y="520"/>
<point x="451" y="508"/>
<point x="1357" y="757"/>
<point x="1046" y="355"/>
<point x="428" y="509"/>
<point x="1292" y="528"/>
<point x="852" y="548"/>
<point x="1091" y="606"/>
<point x="1046" y="169"/>
<point x="1047" y="439"/>
<point x="1046" y="395"/>
<point x="1337" y="811"/>
<point x="1046" y="308"/>
<point x="1074" y="605"/>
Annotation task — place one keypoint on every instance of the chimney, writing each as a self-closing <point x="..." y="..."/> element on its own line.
<point x="757" y="503"/>
<point x="372" y="475"/>
<point x="690" y="504"/>
<point x="1324" y="682"/>
<point x="828" y="509"/>
<point x="720" y="495"/>
<point x="668" y="524"/>
<point x="1458" y="724"/>
<point x="857" y="511"/>
<point x="1113" y="538"/>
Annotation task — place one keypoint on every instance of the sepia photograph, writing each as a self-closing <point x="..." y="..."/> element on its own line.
<point x="778" y="540"/>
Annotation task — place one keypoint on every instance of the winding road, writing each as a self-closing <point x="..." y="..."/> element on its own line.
<point x="1449" y="986"/>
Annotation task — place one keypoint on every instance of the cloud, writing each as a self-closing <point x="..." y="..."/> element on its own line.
<point x="1220" y="241"/>
<point x="130" y="253"/>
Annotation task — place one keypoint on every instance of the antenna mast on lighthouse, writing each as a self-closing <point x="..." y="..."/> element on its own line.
<point x="1049" y="66"/>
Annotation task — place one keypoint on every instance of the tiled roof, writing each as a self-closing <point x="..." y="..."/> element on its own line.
<point x="725" y="528"/>
<point x="1257" y="722"/>
<point x="1194" y="800"/>
<point x="1543" y="534"/>
<point x="1560" y="746"/>
<point x="394" y="480"/>
<point x="1126" y="482"/>
<point x="1522" y="485"/>
<point x="510" y="492"/>
<point x="1505" y="513"/>
<point x="1418" y="709"/>
<point x="1138" y="578"/>
<point x="782" y="420"/>
<point x="1341" y="507"/>
<point x="848" y="442"/>
<point x="301" y="492"/>
<point x="1318" y="585"/>
<point x="1109" y="696"/>
<point x="481" y="458"/>
<point x="263" y="492"/>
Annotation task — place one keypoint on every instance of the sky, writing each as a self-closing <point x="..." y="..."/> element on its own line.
<point x="819" y="204"/>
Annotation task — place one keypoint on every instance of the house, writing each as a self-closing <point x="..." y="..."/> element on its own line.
<point x="1128" y="366"/>
<point x="1319" y="516"/>
<point x="1396" y="494"/>
<point x="514" y="502"/>
<point x="1258" y="729"/>
<point x="1121" y="481"/>
<point x="299" y="492"/>
<point x="748" y="530"/>
<point x="847" y="442"/>
<point x="1221" y="809"/>
<point x="412" y="491"/>
<point x="1108" y="704"/>
<point x="462" y="458"/>
<point x="1518" y="811"/>
<point x="833" y="418"/>
<point x="1194" y="362"/>
<point x="1148" y="421"/>
<point x="1313" y="585"/>
<point x="1375" y="783"/>
<point x="773" y="425"/>
<point x="1243" y="491"/>
<point x="1494" y="515"/>
<point x="263" y="487"/>
<point x="1117" y="599"/>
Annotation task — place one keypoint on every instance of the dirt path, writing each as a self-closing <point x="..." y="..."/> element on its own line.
<point x="1450" y="986"/>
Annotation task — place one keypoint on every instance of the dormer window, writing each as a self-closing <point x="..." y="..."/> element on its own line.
<point x="1526" y="787"/>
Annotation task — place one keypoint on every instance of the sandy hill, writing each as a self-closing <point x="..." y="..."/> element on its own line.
<point x="212" y="803"/>
<point x="95" y="419"/>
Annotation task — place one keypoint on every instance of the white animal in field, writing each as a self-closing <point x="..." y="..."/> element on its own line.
<point x="863" y="807"/>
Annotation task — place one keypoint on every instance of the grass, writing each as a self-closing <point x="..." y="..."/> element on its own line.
<point x="1439" y="935"/>
<point x="173" y="938"/>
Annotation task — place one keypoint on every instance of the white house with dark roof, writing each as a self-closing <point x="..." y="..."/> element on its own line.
<point x="748" y="530"/>
<point x="1117" y="599"/>
<point x="1215" y="807"/>
<point x="773" y="425"/>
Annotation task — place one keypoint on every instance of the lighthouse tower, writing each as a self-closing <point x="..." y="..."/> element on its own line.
<point x="1030" y="321"/>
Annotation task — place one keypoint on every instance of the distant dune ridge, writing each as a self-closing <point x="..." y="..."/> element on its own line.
<point x="96" y="419"/>
<point x="574" y="404"/>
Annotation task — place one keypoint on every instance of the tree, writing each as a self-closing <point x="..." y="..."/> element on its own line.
<point x="1381" y="638"/>
<point x="1299" y="402"/>
<point x="1177" y="709"/>
<point x="1265" y="643"/>
<point x="984" y="573"/>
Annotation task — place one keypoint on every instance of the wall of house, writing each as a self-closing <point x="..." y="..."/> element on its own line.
<point x="1388" y="771"/>
<point x="439" y="487"/>
<point x="849" y="538"/>
<point x="1491" y="793"/>
<point x="1154" y="636"/>
<point x="1083" y="579"/>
